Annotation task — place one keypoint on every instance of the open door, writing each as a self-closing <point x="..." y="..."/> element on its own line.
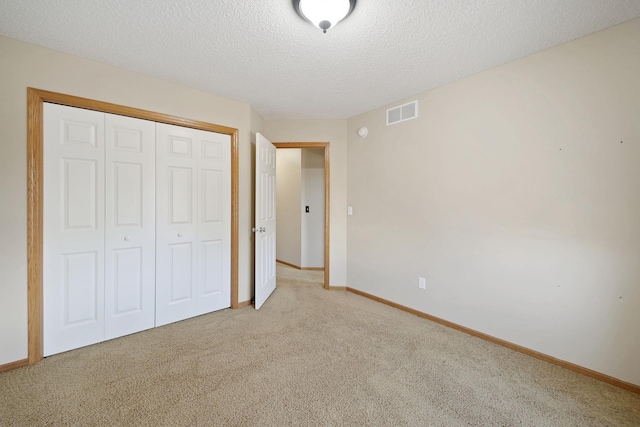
<point x="265" y="228"/>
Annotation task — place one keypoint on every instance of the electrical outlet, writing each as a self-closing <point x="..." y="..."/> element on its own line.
<point x="422" y="283"/>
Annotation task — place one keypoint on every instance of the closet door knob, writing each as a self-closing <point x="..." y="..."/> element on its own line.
<point x="179" y="234"/>
<point x="126" y="238"/>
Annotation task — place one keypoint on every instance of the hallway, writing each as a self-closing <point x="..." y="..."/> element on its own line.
<point x="290" y="276"/>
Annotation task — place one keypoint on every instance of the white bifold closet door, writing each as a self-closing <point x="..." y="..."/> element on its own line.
<point x="137" y="225"/>
<point x="193" y="216"/>
<point x="130" y="222"/>
<point x="73" y="228"/>
<point x="99" y="227"/>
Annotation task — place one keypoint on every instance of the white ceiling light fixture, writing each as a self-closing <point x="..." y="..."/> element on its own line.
<point x="324" y="14"/>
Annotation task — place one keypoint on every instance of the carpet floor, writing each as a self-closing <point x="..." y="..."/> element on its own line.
<point x="307" y="357"/>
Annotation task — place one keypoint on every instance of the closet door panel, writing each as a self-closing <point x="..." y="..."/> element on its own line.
<point x="180" y="265"/>
<point x="73" y="233"/>
<point x="130" y="226"/>
<point x="176" y="234"/>
<point x="214" y="222"/>
<point x="128" y="285"/>
<point x="80" y="281"/>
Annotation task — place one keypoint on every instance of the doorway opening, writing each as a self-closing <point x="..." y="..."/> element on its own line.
<point x="318" y="154"/>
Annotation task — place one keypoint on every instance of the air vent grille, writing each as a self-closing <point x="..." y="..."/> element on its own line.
<point x="402" y="113"/>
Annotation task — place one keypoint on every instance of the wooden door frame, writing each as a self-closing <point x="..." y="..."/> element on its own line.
<point x="35" y="100"/>
<point x="327" y="192"/>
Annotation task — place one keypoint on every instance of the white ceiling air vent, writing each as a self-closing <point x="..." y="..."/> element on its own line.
<point x="402" y="113"/>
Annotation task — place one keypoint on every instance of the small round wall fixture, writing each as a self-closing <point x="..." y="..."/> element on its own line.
<point x="324" y="14"/>
<point x="362" y="132"/>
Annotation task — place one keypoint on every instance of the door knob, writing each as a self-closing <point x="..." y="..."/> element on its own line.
<point x="179" y="234"/>
<point x="126" y="238"/>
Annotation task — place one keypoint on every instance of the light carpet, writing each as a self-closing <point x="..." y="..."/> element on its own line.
<point x="307" y="357"/>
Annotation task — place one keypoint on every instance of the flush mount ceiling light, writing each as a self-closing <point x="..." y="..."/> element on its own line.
<point x="324" y="14"/>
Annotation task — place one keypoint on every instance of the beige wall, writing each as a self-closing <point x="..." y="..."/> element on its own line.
<point x="313" y="196"/>
<point x="334" y="132"/>
<point x="288" y="202"/>
<point x="257" y="126"/>
<point x="257" y="123"/>
<point x="25" y="65"/>
<point x="516" y="194"/>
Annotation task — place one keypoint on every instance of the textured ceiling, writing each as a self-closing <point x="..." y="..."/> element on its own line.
<point x="261" y="52"/>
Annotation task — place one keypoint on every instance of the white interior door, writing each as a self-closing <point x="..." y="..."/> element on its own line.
<point x="130" y="225"/>
<point x="73" y="255"/>
<point x="176" y="228"/>
<point x="265" y="229"/>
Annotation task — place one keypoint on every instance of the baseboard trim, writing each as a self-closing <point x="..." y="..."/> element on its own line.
<point x="14" y="365"/>
<point x="297" y="267"/>
<point x="337" y="288"/>
<point x="515" y="347"/>
<point x="244" y="304"/>
<point x="289" y="264"/>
